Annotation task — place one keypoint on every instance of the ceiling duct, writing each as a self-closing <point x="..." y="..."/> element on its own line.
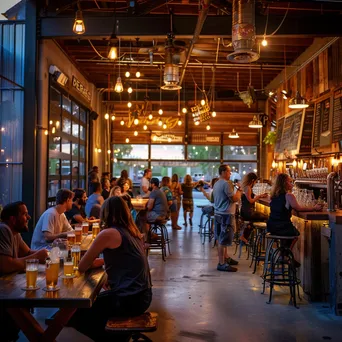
<point x="243" y="32"/>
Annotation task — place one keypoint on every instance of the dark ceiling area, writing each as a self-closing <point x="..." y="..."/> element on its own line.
<point x="139" y="30"/>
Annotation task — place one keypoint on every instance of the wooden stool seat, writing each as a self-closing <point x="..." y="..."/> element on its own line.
<point x="259" y="225"/>
<point x="146" y="322"/>
<point x="280" y="237"/>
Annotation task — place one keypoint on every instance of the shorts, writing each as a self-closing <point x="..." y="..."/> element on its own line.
<point x="217" y="231"/>
<point x="152" y="216"/>
<point x="173" y="206"/>
<point x="188" y="205"/>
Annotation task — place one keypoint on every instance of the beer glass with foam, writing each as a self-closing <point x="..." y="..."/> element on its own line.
<point x="31" y="273"/>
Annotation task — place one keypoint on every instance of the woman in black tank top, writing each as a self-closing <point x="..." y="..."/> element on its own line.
<point x="128" y="290"/>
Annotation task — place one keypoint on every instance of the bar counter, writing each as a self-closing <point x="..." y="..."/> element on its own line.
<point x="311" y="249"/>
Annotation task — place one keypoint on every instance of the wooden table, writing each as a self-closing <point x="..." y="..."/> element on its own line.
<point x="86" y="242"/>
<point x="78" y="292"/>
<point x="139" y="204"/>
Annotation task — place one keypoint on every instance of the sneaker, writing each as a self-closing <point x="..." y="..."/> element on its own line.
<point x="226" y="268"/>
<point x="190" y="222"/>
<point x="231" y="261"/>
<point x="185" y="224"/>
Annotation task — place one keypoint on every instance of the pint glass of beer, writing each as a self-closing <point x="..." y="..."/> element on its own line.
<point x="85" y="228"/>
<point x="51" y="273"/>
<point x="96" y="229"/>
<point x="31" y="273"/>
<point x="78" y="235"/>
<point x="76" y="255"/>
<point x="69" y="268"/>
<point x="71" y="238"/>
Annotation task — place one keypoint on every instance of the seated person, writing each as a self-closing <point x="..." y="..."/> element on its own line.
<point x="105" y="188"/>
<point x="113" y="182"/>
<point x="13" y="255"/>
<point x="77" y="213"/>
<point x="53" y="223"/>
<point x="129" y="286"/>
<point x="94" y="198"/>
<point x="123" y="183"/>
<point x="157" y="204"/>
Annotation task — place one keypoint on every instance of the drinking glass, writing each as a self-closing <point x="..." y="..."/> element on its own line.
<point x="31" y="274"/>
<point x="51" y="273"/>
<point x="62" y="244"/>
<point x="76" y="255"/>
<point x="85" y="228"/>
<point x="71" y="238"/>
<point x="96" y="229"/>
<point x="69" y="268"/>
<point x="78" y="235"/>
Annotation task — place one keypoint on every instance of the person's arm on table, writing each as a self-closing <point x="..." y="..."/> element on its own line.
<point x="292" y="201"/>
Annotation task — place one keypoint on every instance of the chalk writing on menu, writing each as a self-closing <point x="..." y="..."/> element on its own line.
<point x="337" y="116"/>
<point x="280" y="126"/>
<point x="325" y="115"/>
<point x="305" y="143"/>
<point x="291" y="131"/>
<point x="317" y="125"/>
<point x="322" y="133"/>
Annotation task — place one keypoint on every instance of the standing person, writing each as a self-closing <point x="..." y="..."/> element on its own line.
<point x="127" y="269"/>
<point x="248" y="200"/>
<point x="208" y="195"/>
<point x="105" y="189"/>
<point x="53" y="223"/>
<point x="145" y="183"/>
<point x="13" y="255"/>
<point x="177" y="192"/>
<point x="225" y="204"/>
<point x="93" y="177"/>
<point x="188" y="202"/>
<point x="95" y="199"/>
<point x="165" y="187"/>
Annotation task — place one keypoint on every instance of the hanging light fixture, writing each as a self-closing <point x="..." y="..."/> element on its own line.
<point x="298" y="102"/>
<point x="164" y="125"/>
<point x="197" y="123"/>
<point x="202" y="102"/>
<point x="130" y="90"/>
<point x="137" y="74"/>
<point x="160" y="122"/>
<point x="136" y="121"/>
<point x="129" y="104"/>
<point x="264" y="42"/>
<point x="255" y="123"/>
<point x="106" y="116"/>
<point x="79" y="27"/>
<point x="122" y="122"/>
<point x="233" y="134"/>
<point x="113" y="117"/>
<point x="150" y="117"/>
<point x="127" y="140"/>
<point x="127" y="74"/>
<point x="118" y="86"/>
<point x="109" y="151"/>
<point x="113" y="53"/>
<point x="160" y="111"/>
<point x="213" y="114"/>
<point x="179" y="122"/>
<point x="135" y="133"/>
<point x="208" y="127"/>
<point x="145" y="127"/>
<point x="184" y="110"/>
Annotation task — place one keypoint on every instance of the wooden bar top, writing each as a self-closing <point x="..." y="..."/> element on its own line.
<point x="139" y="204"/>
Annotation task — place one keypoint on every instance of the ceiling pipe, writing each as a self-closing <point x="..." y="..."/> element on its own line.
<point x="200" y="21"/>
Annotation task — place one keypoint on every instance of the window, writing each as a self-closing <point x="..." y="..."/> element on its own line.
<point x="170" y="152"/>
<point x="204" y="152"/>
<point x="240" y="152"/>
<point x="124" y="151"/>
<point x="67" y="147"/>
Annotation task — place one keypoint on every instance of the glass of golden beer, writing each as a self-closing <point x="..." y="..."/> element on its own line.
<point x="69" y="268"/>
<point x="78" y="235"/>
<point x="51" y="273"/>
<point x="31" y="274"/>
<point x="96" y="229"/>
<point x="85" y="228"/>
<point x="71" y="238"/>
<point x="76" y="255"/>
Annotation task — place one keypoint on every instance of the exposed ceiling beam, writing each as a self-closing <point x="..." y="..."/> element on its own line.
<point x="184" y="26"/>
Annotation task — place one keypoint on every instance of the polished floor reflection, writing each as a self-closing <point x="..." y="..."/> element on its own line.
<point x="196" y="302"/>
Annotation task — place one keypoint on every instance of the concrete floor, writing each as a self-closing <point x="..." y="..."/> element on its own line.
<point x="196" y="302"/>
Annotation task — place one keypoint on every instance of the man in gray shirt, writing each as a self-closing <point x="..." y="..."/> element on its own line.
<point x="225" y="204"/>
<point x="157" y="204"/>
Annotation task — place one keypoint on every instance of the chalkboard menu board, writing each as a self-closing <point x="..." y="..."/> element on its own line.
<point x="337" y="116"/>
<point x="322" y="134"/>
<point x="306" y="140"/>
<point x="291" y="131"/>
<point x="280" y="126"/>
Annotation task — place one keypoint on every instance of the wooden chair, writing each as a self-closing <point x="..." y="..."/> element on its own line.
<point x="147" y="322"/>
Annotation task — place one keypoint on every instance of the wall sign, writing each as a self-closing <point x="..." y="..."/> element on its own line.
<point x="81" y="88"/>
<point x="322" y="123"/>
<point x="337" y="116"/>
<point x="306" y="141"/>
<point x="201" y="113"/>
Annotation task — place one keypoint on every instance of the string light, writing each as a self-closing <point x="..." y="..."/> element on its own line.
<point x="129" y="104"/>
<point x="169" y="139"/>
<point x="179" y="122"/>
<point x="122" y="122"/>
<point x="145" y="127"/>
<point x="127" y="140"/>
<point x="150" y="117"/>
<point x="113" y="117"/>
<point x="135" y="133"/>
<point x="208" y="127"/>
<point x="109" y="151"/>
<point x="213" y="114"/>
<point x="184" y="110"/>
<point x="136" y="121"/>
<point x="164" y="125"/>
<point x="130" y="90"/>
<point x="137" y="74"/>
<point x="160" y="122"/>
<point x="197" y="123"/>
<point x="106" y="116"/>
<point x="127" y="74"/>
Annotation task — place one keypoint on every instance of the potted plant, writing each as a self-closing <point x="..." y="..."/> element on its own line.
<point x="270" y="138"/>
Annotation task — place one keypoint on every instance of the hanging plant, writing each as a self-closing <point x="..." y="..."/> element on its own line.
<point x="270" y="138"/>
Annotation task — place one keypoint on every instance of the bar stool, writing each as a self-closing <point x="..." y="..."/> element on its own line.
<point x="208" y="228"/>
<point x="158" y="228"/>
<point x="279" y="267"/>
<point x="238" y="242"/>
<point x="257" y="246"/>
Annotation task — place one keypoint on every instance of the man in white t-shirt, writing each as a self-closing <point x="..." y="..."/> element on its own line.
<point x="145" y="184"/>
<point x="53" y="224"/>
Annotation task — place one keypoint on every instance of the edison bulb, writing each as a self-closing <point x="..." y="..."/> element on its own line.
<point x="169" y="139"/>
<point x="130" y="90"/>
<point x="135" y="133"/>
<point x="113" y="117"/>
<point x="53" y="130"/>
<point x="106" y="116"/>
<point x="160" y="123"/>
<point x="51" y="122"/>
<point x="136" y="121"/>
<point x="184" y="110"/>
<point x="197" y="123"/>
<point x="179" y="122"/>
<point x="129" y="104"/>
<point x="150" y="117"/>
<point x="109" y="151"/>
<point x="137" y="74"/>
<point x="46" y="132"/>
<point x="160" y="111"/>
<point x="57" y="124"/>
<point x="127" y="74"/>
<point x="264" y="42"/>
<point x="164" y="125"/>
<point x="99" y="150"/>
<point x="127" y="140"/>
<point x="202" y="102"/>
<point x="145" y="127"/>
<point x="208" y="127"/>
<point x="154" y="138"/>
<point x="122" y="122"/>
<point x="213" y="114"/>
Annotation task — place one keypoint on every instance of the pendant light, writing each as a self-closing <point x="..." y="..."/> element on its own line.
<point x="255" y="123"/>
<point x="122" y="122"/>
<point x="233" y="134"/>
<point x="79" y="27"/>
<point x="298" y="102"/>
<point x="160" y="111"/>
<point x="118" y="86"/>
<point x="113" y="53"/>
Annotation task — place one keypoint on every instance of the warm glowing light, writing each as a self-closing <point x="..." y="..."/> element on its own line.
<point x="208" y="127"/>
<point x="99" y="150"/>
<point x="160" y="123"/>
<point x="109" y="151"/>
<point x="145" y="127"/>
<point x="202" y="102"/>
<point x="127" y="140"/>
<point x="213" y="114"/>
<point x="264" y="42"/>
<point x="274" y="164"/>
<point x="113" y="53"/>
<point x="169" y="139"/>
<point x="179" y="122"/>
<point x="164" y="125"/>
<point x="118" y="85"/>
<point x="53" y="130"/>
<point x="197" y="123"/>
<point x="135" y="133"/>
<point x="150" y="117"/>
<point x="154" y="138"/>
<point x="79" y="27"/>
<point x="160" y="111"/>
<point x="136" y="121"/>
<point x="137" y="74"/>
<point x="51" y="122"/>
<point x="130" y="90"/>
<point x="294" y="163"/>
<point x="115" y="160"/>
<point x="129" y="104"/>
<point x="95" y="149"/>
<point x="127" y="73"/>
<point x="184" y="110"/>
<point x="113" y="117"/>
<point x="122" y="122"/>
<point x="57" y="124"/>
<point x="46" y="132"/>
<point x="106" y="116"/>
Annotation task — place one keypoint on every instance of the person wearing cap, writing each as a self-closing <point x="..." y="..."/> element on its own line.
<point x="145" y="184"/>
<point x="157" y="206"/>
